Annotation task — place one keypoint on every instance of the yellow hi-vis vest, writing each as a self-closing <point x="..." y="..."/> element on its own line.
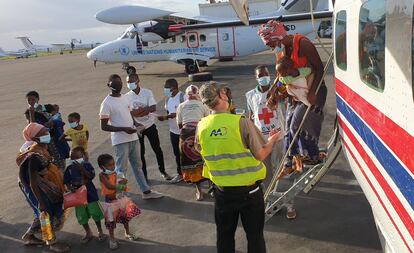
<point x="227" y="162"/>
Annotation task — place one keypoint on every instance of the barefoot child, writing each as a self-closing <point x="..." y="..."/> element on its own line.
<point x="118" y="209"/>
<point x="81" y="173"/>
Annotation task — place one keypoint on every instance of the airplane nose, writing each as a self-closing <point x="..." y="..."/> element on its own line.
<point x="94" y="54"/>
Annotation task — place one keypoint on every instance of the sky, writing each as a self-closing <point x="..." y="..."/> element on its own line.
<point x="59" y="21"/>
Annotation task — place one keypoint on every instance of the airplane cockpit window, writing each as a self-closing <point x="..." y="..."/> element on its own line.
<point x="192" y="38"/>
<point x="340" y="40"/>
<point x="203" y="37"/>
<point x="182" y="39"/>
<point x="372" y="43"/>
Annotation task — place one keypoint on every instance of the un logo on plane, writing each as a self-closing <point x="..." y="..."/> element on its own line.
<point x="222" y="131"/>
<point x="124" y="50"/>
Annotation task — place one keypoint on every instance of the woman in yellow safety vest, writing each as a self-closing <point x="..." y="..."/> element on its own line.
<point x="233" y="150"/>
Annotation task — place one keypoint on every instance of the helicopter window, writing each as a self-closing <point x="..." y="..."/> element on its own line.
<point x="372" y="44"/>
<point x="340" y="40"/>
<point x="192" y="38"/>
<point x="203" y="37"/>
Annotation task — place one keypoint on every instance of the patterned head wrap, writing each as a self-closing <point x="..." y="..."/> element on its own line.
<point x="272" y="30"/>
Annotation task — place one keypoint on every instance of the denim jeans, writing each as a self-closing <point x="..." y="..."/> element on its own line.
<point x="130" y="151"/>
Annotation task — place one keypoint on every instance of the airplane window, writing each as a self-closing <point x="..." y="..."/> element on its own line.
<point x="225" y="36"/>
<point x="172" y="40"/>
<point x="203" y="38"/>
<point x="192" y="38"/>
<point x="372" y="44"/>
<point x="340" y="40"/>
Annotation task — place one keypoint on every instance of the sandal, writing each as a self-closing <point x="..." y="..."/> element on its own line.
<point x="131" y="237"/>
<point x="284" y="172"/>
<point x="59" y="247"/>
<point x="113" y="245"/>
<point x="291" y="213"/>
<point x="31" y="240"/>
<point x="102" y="237"/>
<point x="87" y="238"/>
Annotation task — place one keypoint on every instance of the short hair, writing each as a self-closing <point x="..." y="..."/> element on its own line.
<point x="133" y="75"/>
<point x="49" y="108"/>
<point x="104" y="159"/>
<point x="33" y="94"/>
<point x="209" y="93"/>
<point x="78" y="149"/>
<point x="260" y="67"/>
<point x="113" y="77"/>
<point x="171" y="82"/>
<point x="74" y="115"/>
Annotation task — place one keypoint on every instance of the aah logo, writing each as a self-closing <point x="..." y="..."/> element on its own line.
<point x="222" y="131"/>
<point x="124" y="50"/>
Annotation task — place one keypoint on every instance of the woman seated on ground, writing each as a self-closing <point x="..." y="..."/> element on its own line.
<point x="42" y="184"/>
<point x="189" y="113"/>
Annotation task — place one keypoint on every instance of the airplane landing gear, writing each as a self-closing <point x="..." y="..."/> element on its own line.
<point x="191" y="67"/>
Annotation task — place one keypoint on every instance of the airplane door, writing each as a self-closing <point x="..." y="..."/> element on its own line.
<point x="225" y="42"/>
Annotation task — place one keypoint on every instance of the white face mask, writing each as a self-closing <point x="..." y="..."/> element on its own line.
<point x="132" y="86"/>
<point x="108" y="172"/>
<point x="45" y="139"/>
<point x="80" y="160"/>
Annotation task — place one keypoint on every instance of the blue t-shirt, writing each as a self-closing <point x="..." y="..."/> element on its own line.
<point x="73" y="177"/>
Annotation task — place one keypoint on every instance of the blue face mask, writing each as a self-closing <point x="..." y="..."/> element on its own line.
<point x="280" y="49"/>
<point x="57" y="116"/>
<point x="264" y="80"/>
<point x="167" y="92"/>
<point x="45" y="139"/>
<point x="132" y="86"/>
<point x="73" y="124"/>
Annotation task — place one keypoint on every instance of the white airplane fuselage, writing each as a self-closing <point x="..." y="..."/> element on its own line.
<point x="200" y="44"/>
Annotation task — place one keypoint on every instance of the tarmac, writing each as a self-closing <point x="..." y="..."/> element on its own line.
<point x="335" y="217"/>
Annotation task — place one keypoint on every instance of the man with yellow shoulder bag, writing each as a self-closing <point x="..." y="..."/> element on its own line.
<point x="233" y="150"/>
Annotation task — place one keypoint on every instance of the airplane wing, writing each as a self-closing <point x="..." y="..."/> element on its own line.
<point x="284" y="18"/>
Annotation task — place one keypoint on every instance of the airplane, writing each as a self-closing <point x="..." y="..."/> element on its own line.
<point x="23" y="53"/>
<point x="28" y="44"/>
<point x="373" y="59"/>
<point x="154" y="37"/>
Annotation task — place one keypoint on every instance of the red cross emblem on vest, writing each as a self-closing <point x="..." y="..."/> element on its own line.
<point x="266" y="115"/>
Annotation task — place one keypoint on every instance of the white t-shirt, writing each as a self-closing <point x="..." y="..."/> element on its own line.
<point x="191" y="111"/>
<point x="145" y="98"/>
<point x="171" y="106"/>
<point x="264" y="118"/>
<point x="118" y="111"/>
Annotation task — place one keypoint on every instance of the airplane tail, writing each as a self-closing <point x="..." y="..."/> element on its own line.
<point x="2" y="53"/>
<point x="26" y="42"/>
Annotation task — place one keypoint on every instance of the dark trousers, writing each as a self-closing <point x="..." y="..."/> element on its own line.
<point x="152" y="135"/>
<point x="229" y="205"/>
<point x="175" y="142"/>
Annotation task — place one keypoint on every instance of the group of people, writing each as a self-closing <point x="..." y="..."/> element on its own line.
<point x="211" y="140"/>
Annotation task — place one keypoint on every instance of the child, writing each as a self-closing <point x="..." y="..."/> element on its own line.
<point x="81" y="173"/>
<point x="295" y="79"/>
<point x="78" y="133"/>
<point x="117" y="209"/>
